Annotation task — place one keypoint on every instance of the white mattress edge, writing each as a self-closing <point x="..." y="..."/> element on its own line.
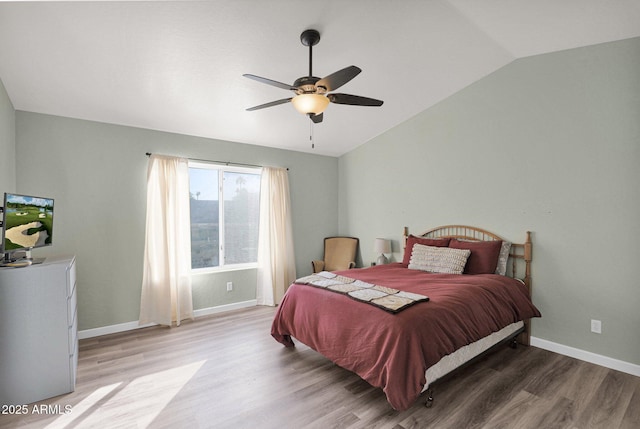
<point x="464" y="354"/>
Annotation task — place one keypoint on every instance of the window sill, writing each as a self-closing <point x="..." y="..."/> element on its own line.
<point x="213" y="270"/>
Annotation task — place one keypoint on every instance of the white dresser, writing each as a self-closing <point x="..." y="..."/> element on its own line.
<point x="38" y="331"/>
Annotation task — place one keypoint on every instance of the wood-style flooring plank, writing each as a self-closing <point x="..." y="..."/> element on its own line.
<point x="226" y="371"/>
<point x="631" y="419"/>
<point x="610" y="402"/>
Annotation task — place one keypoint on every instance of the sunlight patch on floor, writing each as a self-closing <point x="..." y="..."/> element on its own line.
<point x="136" y="403"/>
<point x="83" y="407"/>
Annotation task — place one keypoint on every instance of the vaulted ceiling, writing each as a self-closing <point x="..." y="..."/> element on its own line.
<point x="177" y="66"/>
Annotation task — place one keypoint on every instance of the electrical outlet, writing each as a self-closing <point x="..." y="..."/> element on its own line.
<point x="596" y="326"/>
<point x="229" y="286"/>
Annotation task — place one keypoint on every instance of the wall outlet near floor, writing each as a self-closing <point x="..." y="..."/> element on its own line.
<point x="229" y="286"/>
<point x="596" y="326"/>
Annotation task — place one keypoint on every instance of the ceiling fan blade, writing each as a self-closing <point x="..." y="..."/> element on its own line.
<point x="270" y="82"/>
<point x="339" y="78"/>
<point x="273" y="103"/>
<point x="355" y="100"/>
<point x="317" y="118"/>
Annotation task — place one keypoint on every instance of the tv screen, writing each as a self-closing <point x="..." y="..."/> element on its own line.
<point x="28" y="222"/>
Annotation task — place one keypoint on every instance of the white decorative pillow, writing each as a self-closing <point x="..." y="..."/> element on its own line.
<point x="438" y="259"/>
<point x="501" y="268"/>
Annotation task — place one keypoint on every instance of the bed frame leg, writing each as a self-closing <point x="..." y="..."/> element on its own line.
<point x="429" y="402"/>
<point x="513" y="344"/>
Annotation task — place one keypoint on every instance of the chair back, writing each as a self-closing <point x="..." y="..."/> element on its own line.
<point x="339" y="253"/>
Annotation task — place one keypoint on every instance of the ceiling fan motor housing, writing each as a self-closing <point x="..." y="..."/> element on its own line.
<point x="307" y="85"/>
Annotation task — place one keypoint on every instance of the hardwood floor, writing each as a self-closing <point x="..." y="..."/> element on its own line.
<point x="225" y="371"/>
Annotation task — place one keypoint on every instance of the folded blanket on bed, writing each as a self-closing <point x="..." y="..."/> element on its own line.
<point x="386" y="298"/>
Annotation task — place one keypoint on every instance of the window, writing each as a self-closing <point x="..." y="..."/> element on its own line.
<point x="225" y="214"/>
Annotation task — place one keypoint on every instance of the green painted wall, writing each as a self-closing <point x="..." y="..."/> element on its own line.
<point x="549" y="143"/>
<point x="7" y="143"/>
<point x="97" y="174"/>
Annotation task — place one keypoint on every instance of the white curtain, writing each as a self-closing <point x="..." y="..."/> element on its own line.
<point x="166" y="281"/>
<point x="276" y="258"/>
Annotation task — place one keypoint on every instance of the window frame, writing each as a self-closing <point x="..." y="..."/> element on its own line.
<point x="222" y="168"/>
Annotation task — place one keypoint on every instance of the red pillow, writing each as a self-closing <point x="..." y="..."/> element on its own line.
<point x="484" y="255"/>
<point x="412" y="239"/>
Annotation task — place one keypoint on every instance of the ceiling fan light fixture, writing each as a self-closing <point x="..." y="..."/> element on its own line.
<point x="314" y="94"/>
<point x="310" y="103"/>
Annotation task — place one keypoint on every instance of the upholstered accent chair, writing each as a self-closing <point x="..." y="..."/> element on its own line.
<point x="339" y="254"/>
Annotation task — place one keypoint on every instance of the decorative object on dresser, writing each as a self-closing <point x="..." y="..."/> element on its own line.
<point x="382" y="246"/>
<point x="39" y="339"/>
<point x="27" y="224"/>
<point x="404" y="353"/>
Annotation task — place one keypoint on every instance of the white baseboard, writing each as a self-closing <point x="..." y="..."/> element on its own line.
<point x="223" y="308"/>
<point x="129" y="326"/>
<point x="586" y="356"/>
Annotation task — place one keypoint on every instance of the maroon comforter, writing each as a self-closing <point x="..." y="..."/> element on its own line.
<point x="393" y="351"/>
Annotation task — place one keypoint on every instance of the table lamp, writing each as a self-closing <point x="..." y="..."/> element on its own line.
<point x="382" y="246"/>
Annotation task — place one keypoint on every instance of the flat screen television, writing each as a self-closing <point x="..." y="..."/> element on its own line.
<point x="27" y="224"/>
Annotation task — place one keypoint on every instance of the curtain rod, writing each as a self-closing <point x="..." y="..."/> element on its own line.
<point x="239" y="164"/>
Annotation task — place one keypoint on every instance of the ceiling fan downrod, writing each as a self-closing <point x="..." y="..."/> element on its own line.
<point x="310" y="38"/>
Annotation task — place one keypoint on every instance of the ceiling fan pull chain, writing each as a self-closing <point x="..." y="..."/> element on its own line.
<point x="313" y="145"/>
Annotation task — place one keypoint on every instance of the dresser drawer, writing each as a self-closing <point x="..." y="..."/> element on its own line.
<point x="72" y="307"/>
<point x="73" y="366"/>
<point x="71" y="278"/>
<point x="73" y="336"/>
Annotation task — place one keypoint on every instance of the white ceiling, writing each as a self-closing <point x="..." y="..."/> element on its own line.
<point x="177" y="66"/>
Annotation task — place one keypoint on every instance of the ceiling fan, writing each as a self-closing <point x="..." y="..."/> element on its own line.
<point x="312" y="93"/>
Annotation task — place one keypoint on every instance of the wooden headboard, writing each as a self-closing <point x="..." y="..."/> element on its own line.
<point x="518" y="252"/>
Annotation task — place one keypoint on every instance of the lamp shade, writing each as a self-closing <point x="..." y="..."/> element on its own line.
<point x="382" y="245"/>
<point x="310" y="103"/>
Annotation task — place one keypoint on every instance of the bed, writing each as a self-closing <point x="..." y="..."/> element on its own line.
<point x="403" y="326"/>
